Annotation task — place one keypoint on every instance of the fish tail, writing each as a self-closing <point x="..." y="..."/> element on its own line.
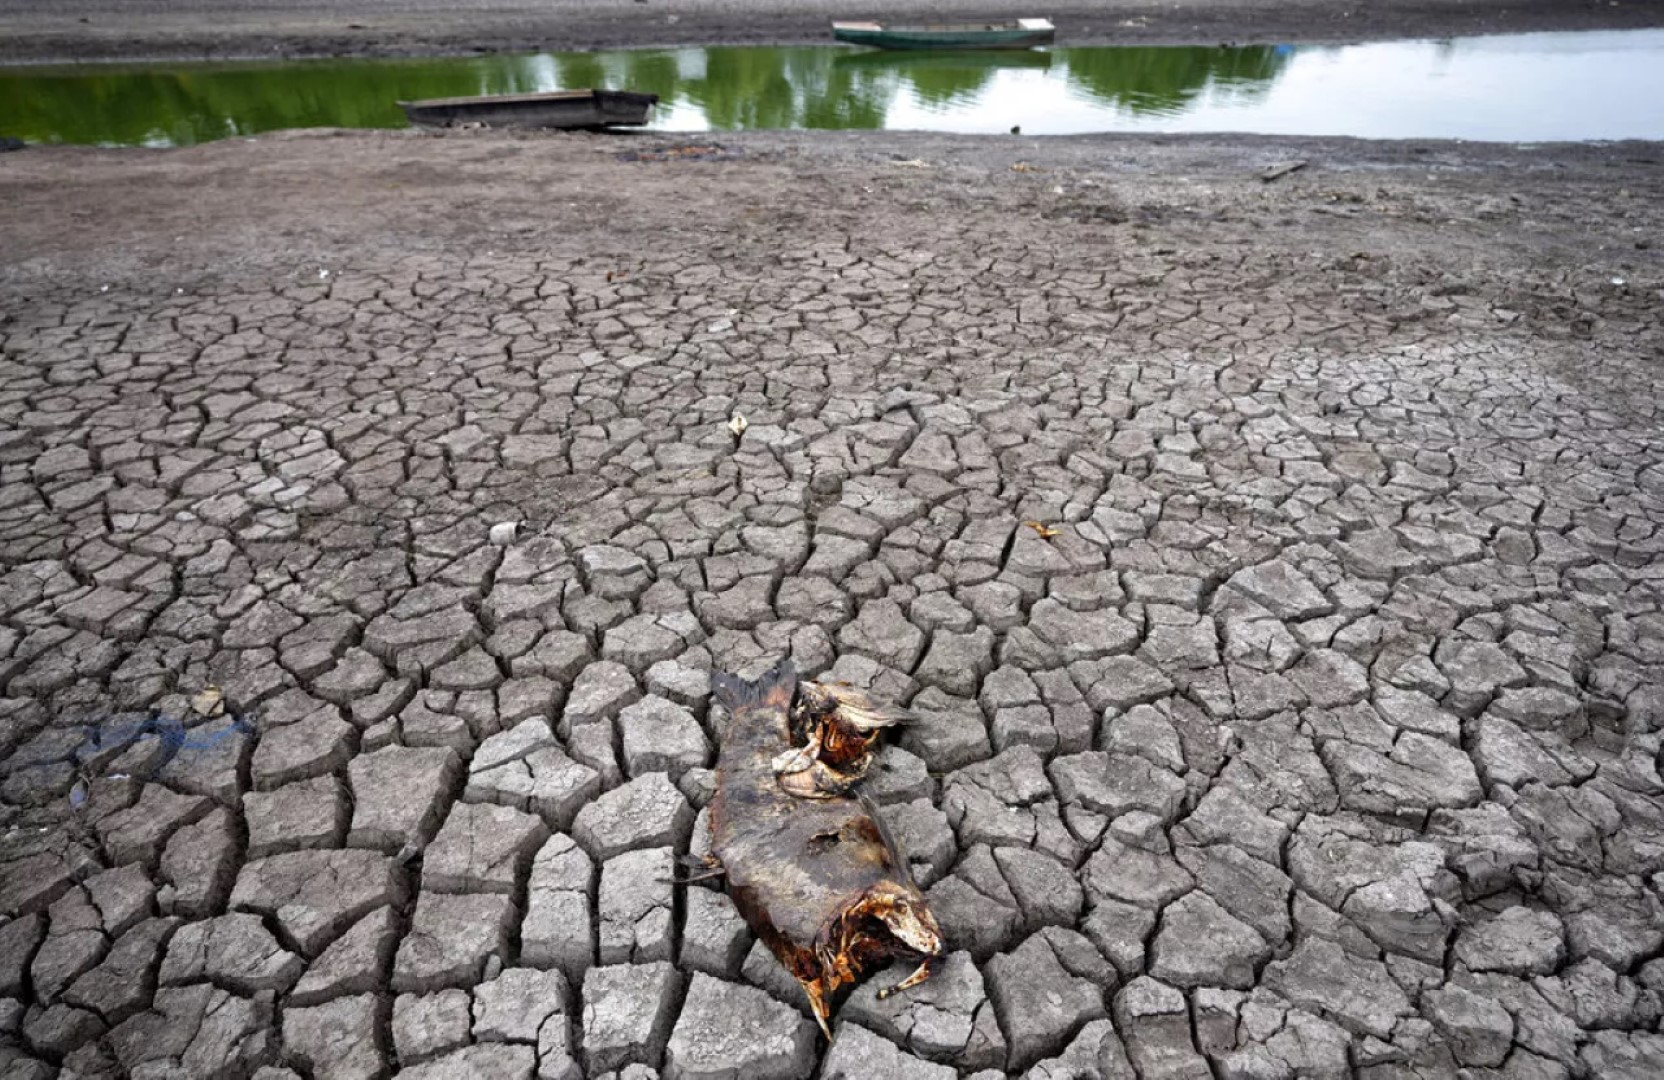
<point x="774" y="690"/>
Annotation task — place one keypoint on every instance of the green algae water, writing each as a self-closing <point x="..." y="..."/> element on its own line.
<point x="1520" y="87"/>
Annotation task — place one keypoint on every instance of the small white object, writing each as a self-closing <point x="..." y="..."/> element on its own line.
<point x="504" y="532"/>
<point x="1619" y="281"/>
<point x="322" y="274"/>
<point x="738" y="425"/>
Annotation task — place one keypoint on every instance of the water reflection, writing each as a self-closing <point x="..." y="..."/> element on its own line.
<point x="1163" y="81"/>
<point x="1523" y="86"/>
<point x="728" y="89"/>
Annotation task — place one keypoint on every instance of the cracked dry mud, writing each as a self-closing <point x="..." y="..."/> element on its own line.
<point x="1321" y="739"/>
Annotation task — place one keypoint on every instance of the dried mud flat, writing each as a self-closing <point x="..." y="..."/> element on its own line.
<point x="1320" y="740"/>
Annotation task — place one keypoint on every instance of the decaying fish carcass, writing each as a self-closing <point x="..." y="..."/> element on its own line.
<point x="834" y="728"/>
<point x="815" y="874"/>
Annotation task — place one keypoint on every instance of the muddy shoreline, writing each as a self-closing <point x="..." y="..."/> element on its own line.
<point x="33" y="31"/>
<point x="266" y="204"/>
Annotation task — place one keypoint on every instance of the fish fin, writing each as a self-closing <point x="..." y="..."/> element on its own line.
<point x="775" y="689"/>
<point x="920" y="974"/>
<point x="704" y="867"/>
<point x="891" y="842"/>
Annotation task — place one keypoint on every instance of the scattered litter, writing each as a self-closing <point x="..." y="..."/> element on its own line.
<point x="1023" y="166"/>
<point x="1620" y="282"/>
<point x="915" y="163"/>
<point x="208" y="702"/>
<point x="503" y="533"/>
<point x="78" y="794"/>
<point x="721" y="326"/>
<point x="738" y="425"/>
<point x="1045" y="531"/>
<point x="323" y="275"/>
<point x="1281" y="169"/>
<point x="110" y="736"/>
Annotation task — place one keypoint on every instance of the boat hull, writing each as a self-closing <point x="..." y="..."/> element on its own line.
<point x="926" y="38"/>
<point x="566" y="109"/>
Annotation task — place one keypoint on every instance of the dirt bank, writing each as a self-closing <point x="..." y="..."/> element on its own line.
<point x="48" y="31"/>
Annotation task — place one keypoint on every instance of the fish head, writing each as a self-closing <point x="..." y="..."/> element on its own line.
<point x="904" y="911"/>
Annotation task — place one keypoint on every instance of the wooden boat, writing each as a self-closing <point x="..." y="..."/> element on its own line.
<point x="561" y="109"/>
<point x="1010" y="34"/>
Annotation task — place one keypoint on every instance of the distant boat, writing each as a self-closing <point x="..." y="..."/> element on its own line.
<point x="1009" y="34"/>
<point x="561" y="109"/>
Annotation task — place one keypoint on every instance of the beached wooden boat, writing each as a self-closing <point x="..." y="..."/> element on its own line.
<point x="561" y="109"/>
<point x="1009" y="34"/>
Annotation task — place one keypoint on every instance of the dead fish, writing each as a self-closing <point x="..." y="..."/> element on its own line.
<point x="820" y="881"/>
<point x="836" y="727"/>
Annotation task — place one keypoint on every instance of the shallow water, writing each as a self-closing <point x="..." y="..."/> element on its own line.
<point x="1519" y="87"/>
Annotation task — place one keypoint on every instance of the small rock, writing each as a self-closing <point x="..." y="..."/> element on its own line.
<point x="1519" y="941"/>
<point x="399" y="794"/>
<point x="628" y="1010"/>
<point x="1039" y="1002"/>
<point x="715" y="937"/>
<point x="647" y="812"/>
<point x="1202" y="944"/>
<point x="1478" y="1029"/>
<point x="315" y="895"/>
<point x="305" y="814"/>
<point x="635" y="907"/>
<point x="496" y="1061"/>
<point x="450" y="938"/>
<point x="559" y="930"/>
<point x="234" y="951"/>
<point x="515" y="1005"/>
<point x="1155" y="1020"/>
<point x="337" y="1039"/>
<point x="354" y="963"/>
<point x="481" y="848"/>
<point x="660" y="736"/>
<point x="858" y="1054"/>
<point x="429" y="1024"/>
<point x="727" y="1030"/>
